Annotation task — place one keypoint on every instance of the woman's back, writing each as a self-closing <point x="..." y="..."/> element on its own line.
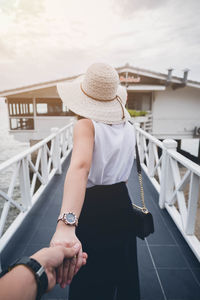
<point x="113" y="153"/>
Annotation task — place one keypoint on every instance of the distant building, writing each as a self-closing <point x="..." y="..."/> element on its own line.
<point x="172" y="103"/>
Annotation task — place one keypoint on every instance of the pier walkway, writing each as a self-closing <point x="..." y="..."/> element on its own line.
<point x="168" y="269"/>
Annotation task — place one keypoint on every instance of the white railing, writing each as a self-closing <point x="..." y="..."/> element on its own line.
<point x="31" y="172"/>
<point x="177" y="180"/>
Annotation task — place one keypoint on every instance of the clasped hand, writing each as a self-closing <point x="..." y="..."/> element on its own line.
<point x="66" y="236"/>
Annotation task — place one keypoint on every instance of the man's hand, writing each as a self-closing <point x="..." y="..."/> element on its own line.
<point x="52" y="258"/>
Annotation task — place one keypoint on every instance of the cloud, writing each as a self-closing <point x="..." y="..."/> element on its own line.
<point x="127" y="8"/>
<point x="44" y="40"/>
<point x="26" y="7"/>
<point x="7" y="53"/>
<point x="130" y="8"/>
<point x="7" y="6"/>
<point x="47" y="66"/>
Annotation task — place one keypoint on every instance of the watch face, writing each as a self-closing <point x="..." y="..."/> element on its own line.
<point x="70" y="218"/>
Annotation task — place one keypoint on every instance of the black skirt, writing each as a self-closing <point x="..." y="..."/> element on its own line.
<point x="106" y="233"/>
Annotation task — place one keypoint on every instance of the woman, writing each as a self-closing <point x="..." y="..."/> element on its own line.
<point x="95" y="200"/>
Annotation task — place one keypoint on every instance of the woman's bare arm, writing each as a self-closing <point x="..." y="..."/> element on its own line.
<point x="77" y="174"/>
<point x="74" y="193"/>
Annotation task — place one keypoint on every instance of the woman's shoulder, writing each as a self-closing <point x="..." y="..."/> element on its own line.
<point x="85" y="125"/>
<point x="84" y="122"/>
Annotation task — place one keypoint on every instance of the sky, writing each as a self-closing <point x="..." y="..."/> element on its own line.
<point x="43" y="40"/>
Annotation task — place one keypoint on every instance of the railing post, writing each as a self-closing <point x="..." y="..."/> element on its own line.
<point x="44" y="164"/>
<point x="71" y="134"/>
<point x="56" y="151"/>
<point x="192" y="204"/>
<point x="142" y="150"/>
<point x="137" y="136"/>
<point x="151" y="160"/>
<point x="24" y="180"/>
<point x="168" y="144"/>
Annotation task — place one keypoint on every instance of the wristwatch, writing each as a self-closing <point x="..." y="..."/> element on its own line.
<point x="69" y="219"/>
<point x="38" y="271"/>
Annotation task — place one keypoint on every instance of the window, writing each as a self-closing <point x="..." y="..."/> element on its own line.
<point x="51" y="107"/>
<point x="20" y="107"/>
<point x="42" y="108"/>
<point x="139" y="101"/>
<point x="21" y="123"/>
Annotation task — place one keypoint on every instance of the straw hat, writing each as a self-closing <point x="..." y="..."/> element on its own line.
<point x="96" y="95"/>
<point x="122" y="92"/>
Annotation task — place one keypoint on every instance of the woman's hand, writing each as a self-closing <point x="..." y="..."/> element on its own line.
<point x="51" y="258"/>
<point x="65" y="236"/>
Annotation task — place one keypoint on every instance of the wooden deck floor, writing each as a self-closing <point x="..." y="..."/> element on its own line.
<point x="168" y="268"/>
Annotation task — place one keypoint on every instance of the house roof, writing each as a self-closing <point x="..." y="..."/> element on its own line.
<point x="125" y="68"/>
<point x="156" y="75"/>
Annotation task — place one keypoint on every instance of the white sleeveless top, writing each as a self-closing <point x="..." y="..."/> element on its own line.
<point x="113" y="153"/>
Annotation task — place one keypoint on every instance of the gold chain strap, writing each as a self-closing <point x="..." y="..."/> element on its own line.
<point x="143" y="208"/>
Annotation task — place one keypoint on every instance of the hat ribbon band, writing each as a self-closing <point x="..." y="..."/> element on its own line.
<point x="96" y="99"/>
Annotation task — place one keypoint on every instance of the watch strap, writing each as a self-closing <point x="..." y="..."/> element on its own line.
<point x="38" y="271"/>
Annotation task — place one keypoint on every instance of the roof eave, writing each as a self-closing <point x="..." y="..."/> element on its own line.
<point x="157" y="75"/>
<point x="35" y="86"/>
<point x="125" y="68"/>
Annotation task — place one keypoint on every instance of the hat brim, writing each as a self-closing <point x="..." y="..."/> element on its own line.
<point x="121" y="91"/>
<point x="109" y="112"/>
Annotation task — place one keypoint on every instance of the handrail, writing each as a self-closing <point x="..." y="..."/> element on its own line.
<point x="185" y="162"/>
<point x="42" y="161"/>
<point x="176" y="179"/>
<point x="32" y="149"/>
<point x="148" y="136"/>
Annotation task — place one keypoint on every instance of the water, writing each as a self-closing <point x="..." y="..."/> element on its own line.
<point x="9" y="147"/>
